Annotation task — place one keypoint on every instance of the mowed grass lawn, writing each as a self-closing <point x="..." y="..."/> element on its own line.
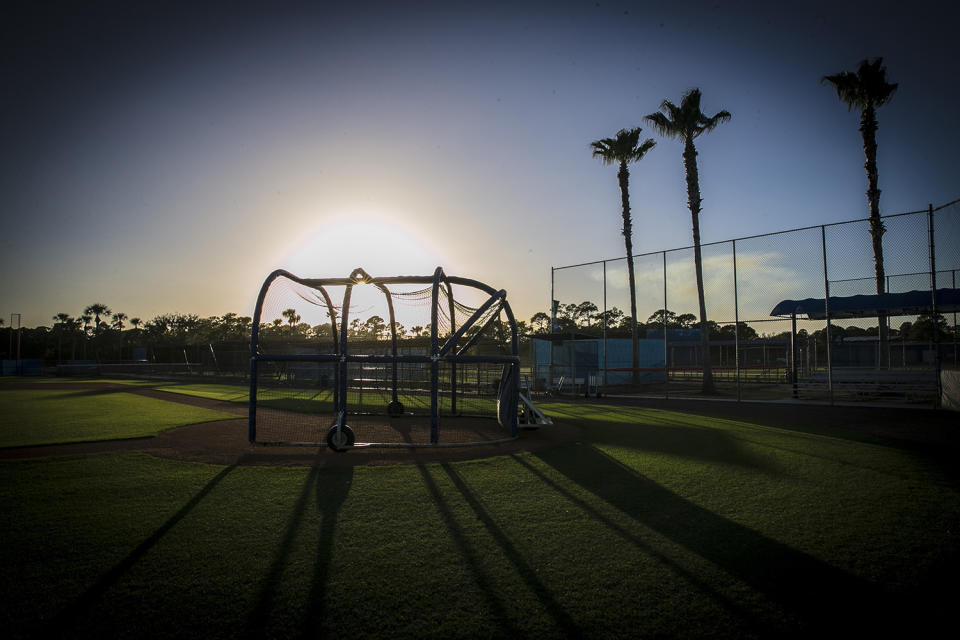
<point x="658" y="523"/>
<point x="54" y="416"/>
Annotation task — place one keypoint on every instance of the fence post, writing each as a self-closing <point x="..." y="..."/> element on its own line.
<point x="953" y="285"/>
<point x="793" y="352"/>
<point x="933" y="305"/>
<point x="553" y="328"/>
<point x="553" y="306"/>
<point x="826" y="309"/>
<point x="736" y="322"/>
<point x="666" y="360"/>
<point x="604" y="316"/>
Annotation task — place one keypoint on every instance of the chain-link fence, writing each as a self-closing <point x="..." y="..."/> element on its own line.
<point x="808" y="313"/>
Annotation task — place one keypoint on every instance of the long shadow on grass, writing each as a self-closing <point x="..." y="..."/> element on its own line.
<point x="472" y="558"/>
<point x="677" y="433"/>
<point x="683" y="440"/>
<point x="644" y="547"/>
<point x="68" y="618"/>
<point x="554" y="609"/>
<point x="670" y="433"/>
<point x="820" y="595"/>
<point x="332" y="487"/>
<point x="81" y="393"/>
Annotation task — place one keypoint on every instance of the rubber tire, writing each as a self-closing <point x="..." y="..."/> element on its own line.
<point x="342" y="443"/>
<point x="395" y="408"/>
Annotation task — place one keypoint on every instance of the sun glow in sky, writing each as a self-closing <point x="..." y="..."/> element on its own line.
<point x="376" y="242"/>
<point x="166" y="157"/>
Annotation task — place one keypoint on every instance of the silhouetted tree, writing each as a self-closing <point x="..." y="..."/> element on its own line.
<point x="584" y="312"/>
<point x="686" y="320"/>
<point x="375" y="327"/>
<point x="292" y="318"/>
<point x="867" y="90"/>
<point x="613" y="318"/>
<point x="622" y="150"/>
<point x="62" y="321"/>
<point x="926" y="327"/>
<point x="96" y="310"/>
<point x="86" y="318"/>
<point x="686" y="123"/>
<point x="658" y="317"/>
<point x="540" y="322"/>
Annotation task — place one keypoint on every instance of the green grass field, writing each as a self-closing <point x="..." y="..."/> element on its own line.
<point x="658" y="523"/>
<point x="308" y="399"/>
<point x="53" y="416"/>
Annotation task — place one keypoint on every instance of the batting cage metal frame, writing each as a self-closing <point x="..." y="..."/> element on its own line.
<point x="345" y="383"/>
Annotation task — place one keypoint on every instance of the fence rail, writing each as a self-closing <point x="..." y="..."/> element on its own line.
<point x="880" y="354"/>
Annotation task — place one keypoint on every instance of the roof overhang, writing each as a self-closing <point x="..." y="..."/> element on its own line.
<point x="888" y="304"/>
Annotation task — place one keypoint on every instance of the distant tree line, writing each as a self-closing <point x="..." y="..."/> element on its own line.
<point x="585" y="318"/>
<point x="100" y="334"/>
<point x="103" y="335"/>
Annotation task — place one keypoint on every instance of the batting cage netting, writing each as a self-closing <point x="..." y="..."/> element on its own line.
<point x="395" y="361"/>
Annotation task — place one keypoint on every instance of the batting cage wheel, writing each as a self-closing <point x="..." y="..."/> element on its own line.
<point x="340" y="438"/>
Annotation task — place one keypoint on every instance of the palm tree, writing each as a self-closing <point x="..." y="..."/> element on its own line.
<point x="136" y="322"/>
<point x="622" y="150"/>
<point x="118" y="319"/>
<point x="686" y="123"/>
<point x="867" y="90"/>
<point x="86" y="318"/>
<point x="292" y="318"/>
<point x="97" y="309"/>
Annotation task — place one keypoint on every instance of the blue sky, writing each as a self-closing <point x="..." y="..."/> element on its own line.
<point x="163" y="157"/>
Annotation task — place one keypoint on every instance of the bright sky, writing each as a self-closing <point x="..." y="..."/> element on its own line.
<point x="166" y="159"/>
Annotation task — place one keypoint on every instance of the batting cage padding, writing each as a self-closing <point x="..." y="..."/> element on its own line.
<point x="396" y="361"/>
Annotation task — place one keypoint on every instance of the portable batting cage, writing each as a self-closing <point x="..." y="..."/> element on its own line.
<point x="382" y="361"/>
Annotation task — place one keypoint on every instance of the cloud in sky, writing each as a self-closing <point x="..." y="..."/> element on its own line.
<point x="763" y="280"/>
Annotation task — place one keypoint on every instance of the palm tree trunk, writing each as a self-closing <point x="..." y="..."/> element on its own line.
<point x="693" y="201"/>
<point x="868" y="129"/>
<point x="624" y="176"/>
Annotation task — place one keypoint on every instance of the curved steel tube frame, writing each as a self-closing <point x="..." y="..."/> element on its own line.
<point x="445" y="352"/>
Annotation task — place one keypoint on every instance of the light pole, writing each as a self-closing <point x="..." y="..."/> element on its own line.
<point x="10" y="351"/>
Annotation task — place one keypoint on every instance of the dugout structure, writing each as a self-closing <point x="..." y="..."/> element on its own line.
<point x="382" y="361"/>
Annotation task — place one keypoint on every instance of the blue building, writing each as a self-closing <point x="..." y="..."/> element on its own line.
<point x="594" y="361"/>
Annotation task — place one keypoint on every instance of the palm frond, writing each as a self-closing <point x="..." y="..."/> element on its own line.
<point x="686" y="121"/>
<point x="663" y="124"/>
<point x="690" y="102"/>
<point x="873" y="77"/>
<point x="847" y="88"/>
<point x="644" y="147"/>
<point x="603" y="150"/>
<point x="866" y="88"/>
<point x="623" y="148"/>
<point x="707" y="125"/>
